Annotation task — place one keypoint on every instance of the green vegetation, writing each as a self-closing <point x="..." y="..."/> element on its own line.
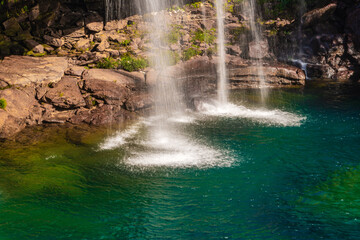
<point x="108" y="63"/>
<point x="125" y="42"/>
<point x="174" y="35"/>
<point x="207" y="36"/>
<point x="196" y="4"/>
<point x="191" y="52"/>
<point x="3" y="104"/>
<point x="128" y="63"/>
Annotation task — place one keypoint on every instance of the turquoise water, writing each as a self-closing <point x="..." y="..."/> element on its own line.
<point x="247" y="177"/>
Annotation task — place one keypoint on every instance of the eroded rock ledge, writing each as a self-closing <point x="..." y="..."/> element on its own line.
<point x="50" y="90"/>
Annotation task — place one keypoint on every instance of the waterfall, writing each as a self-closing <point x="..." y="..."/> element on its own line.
<point x="249" y="11"/>
<point x="222" y="73"/>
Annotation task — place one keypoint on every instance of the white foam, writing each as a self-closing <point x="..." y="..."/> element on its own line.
<point x="120" y="137"/>
<point x="271" y="117"/>
<point x="169" y="149"/>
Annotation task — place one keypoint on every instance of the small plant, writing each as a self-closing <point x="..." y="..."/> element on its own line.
<point x="207" y="36"/>
<point x="3" y="104"/>
<point x="130" y="63"/>
<point x="108" y="63"/>
<point x="125" y="43"/>
<point x="191" y="52"/>
<point x="196" y="4"/>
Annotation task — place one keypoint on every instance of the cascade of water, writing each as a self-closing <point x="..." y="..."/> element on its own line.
<point x="249" y="11"/>
<point x="167" y="93"/>
<point x="222" y="73"/>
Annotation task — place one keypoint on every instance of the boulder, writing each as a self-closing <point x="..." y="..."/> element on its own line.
<point x="108" y="85"/>
<point x="12" y="27"/>
<point x="34" y="46"/>
<point x="83" y="44"/>
<point x="52" y="41"/>
<point x="108" y="75"/>
<point x="74" y="32"/>
<point x="24" y="70"/>
<point x="65" y="94"/>
<point x="34" y="13"/>
<point x="258" y="50"/>
<point x="115" y="25"/>
<point x="94" y="22"/>
<point x="22" y="109"/>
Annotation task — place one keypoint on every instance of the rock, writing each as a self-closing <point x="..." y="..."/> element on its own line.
<point x="138" y="102"/>
<point x="51" y="115"/>
<point x="75" y="70"/>
<point x="74" y="32"/>
<point x="258" y="50"/>
<point x="110" y="92"/>
<point x="108" y="85"/>
<point x="234" y="50"/>
<point x="316" y="16"/>
<point x="34" y="46"/>
<point x="115" y="25"/>
<point x="113" y="53"/>
<point x="104" y="44"/>
<point x="65" y="94"/>
<point x="12" y="27"/>
<point x="320" y="71"/>
<point x="94" y="22"/>
<point x="34" y="13"/>
<point x="82" y="45"/>
<point x="108" y="76"/>
<point x="274" y="76"/>
<point x="24" y="70"/>
<point x="19" y="110"/>
<point x="52" y="41"/>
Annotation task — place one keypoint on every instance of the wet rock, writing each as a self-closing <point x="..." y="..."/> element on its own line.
<point x="320" y="71"/>
<point x="138" y="102"/>
<point x="259" y="50"/>
<point x="65" y="94"/>
<point x="274" y="76"/>
<point x="234" y="50"/>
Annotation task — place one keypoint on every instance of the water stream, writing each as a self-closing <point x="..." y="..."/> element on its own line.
<point x="222" y="73"/>
<point x="249" y="10"/>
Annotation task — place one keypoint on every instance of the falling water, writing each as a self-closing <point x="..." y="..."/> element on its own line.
<point x="222" y="74"/>
<point x="167" y="93"/>
<point x="249" y="10"/>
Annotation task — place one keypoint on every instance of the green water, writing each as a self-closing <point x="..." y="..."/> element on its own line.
<point x="250" y="180"/>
